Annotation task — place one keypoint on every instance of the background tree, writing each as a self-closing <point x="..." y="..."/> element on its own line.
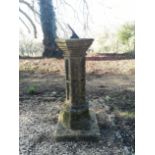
<point x="48" y="23"/>
<point x="26" y="15"/>
<point x="126" y="35"/>
<point x="49" y="28"/>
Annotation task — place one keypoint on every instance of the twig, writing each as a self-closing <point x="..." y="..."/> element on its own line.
<point x="29" y="31"/>
<point x="30" y="20"/>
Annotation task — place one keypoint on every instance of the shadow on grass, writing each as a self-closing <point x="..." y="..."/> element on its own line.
<point x="123" y="101"/>
<point x="31" y="83"/>
<point x="123" y="105"/>
<point x="97" y="57"/>
<point x="38" y="57"/>
<point x="120" y="102"/>
<point x="111" y="56"/>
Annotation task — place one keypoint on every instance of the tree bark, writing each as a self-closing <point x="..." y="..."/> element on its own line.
<point x="48" y="23"/>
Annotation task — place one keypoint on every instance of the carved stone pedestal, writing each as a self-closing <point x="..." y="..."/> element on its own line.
<point x="75" y="121"/>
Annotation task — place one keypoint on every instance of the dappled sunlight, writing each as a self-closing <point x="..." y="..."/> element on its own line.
<point x="46" y="73"/>
<point x="104" y="89"/>
<point x="127" y="114"/>
<point x="42" y="65"/>
<point x="109" y="92"/>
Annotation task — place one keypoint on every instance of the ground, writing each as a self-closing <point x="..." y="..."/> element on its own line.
<point x="110" y="93"/>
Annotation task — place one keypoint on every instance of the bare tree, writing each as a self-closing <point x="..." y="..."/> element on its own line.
<point x="48" y="22"/>
<point x="31" y="21"/>
<point x="28" y="29"/>
<point x="31" y="7"/>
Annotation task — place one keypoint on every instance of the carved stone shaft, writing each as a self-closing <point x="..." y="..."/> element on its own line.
<point x="75" y="80"/>
<point x="75" y="118"/>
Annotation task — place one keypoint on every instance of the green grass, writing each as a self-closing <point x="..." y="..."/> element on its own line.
<point x="31" y="90"/>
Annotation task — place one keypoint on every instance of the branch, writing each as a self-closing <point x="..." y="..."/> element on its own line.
<point x="86" y="8"/>
<point x="29" y="6"/>
<point x="30" y="20"/>
<point x="86" y="4"/>
<point x="63" y="29"/>
<point x="25" y="24"/>
<point x="70" y="6"/>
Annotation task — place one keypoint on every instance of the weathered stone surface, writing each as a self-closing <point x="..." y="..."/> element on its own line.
<point x="64" y="133"/>
<point x="74" y="47"/>
<point x="75" y="120"/>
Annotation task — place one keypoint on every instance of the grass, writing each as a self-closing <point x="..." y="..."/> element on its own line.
<point x="32" y="90"/>
<point x="108" y="87"/>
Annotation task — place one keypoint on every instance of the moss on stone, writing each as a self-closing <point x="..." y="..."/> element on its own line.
<point x="64" y="118"/>
<point x="67" y="134"/>
<point x="73" y="119"/>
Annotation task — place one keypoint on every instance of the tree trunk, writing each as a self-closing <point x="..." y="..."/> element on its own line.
<point x="48" y="23"/>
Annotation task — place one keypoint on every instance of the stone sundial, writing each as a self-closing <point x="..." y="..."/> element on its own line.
<point x="76" y="121"/>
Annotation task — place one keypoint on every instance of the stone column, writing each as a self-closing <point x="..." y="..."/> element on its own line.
<point x="75" y="120"/>
<point x="76" y="107"/>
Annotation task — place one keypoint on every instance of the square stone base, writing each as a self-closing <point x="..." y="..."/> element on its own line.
<point x="65" y="134"/>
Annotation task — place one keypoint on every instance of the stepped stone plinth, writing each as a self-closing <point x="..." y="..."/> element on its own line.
<point x="76" y="121"/>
